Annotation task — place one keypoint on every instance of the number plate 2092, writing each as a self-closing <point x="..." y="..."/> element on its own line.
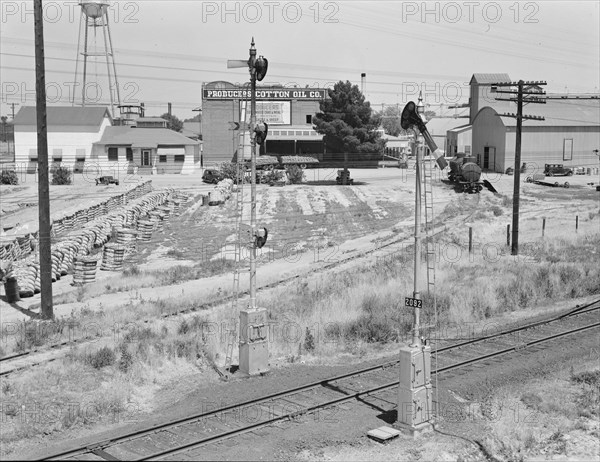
<point x="413" y="302"/>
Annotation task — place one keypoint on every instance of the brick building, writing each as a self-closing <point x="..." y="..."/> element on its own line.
<point x="287" y="111"/>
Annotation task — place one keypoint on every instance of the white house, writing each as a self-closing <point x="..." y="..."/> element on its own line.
<point x="71" y="133"/>
<point x="85" y="140"/>
<point x="146" y="150"/>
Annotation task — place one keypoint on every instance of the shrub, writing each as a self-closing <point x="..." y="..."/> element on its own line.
<point x="126" y="359"/>
<point x="295" y="174"/>
<point x="9" y="177"/>
<point x="309" y="341"/>
<point x="272" y="176"/>
<point x="230" y="170"/>
<point x="61" y="175"/>
<point x="105" y="356"/>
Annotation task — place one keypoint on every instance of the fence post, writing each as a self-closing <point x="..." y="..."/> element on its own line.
<point x="543" y="226"/>
<point x="576" y="222"/>
<point x="470" y="240"/>
<point x="508" y="235"/>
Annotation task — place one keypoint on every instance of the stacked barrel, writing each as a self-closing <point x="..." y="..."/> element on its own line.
<point x="87" y="231"/>
<point x="113" y="257"/>
<point x="84" y="269"/>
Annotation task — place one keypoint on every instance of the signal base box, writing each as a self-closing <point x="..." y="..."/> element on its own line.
<point x="415" y="366"/>
<point x="415" y="406"/>
<point x="254" y="346"/>
<point x="415" y="401"/>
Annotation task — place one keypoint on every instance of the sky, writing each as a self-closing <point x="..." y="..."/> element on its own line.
<point x="165" y="49"/>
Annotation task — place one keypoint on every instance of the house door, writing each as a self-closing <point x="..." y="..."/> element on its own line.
<point x="146" y="158"/>
<point x="489" y="157"/>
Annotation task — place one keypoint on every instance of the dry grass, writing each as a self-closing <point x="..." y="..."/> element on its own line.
<point x="101" y="384"/>
<point x="365" y="306"/>
<point x="554" y="418"/>
<point x="133" y="278"/>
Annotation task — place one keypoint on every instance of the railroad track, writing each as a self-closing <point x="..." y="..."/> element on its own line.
<point x="188" y="437"/>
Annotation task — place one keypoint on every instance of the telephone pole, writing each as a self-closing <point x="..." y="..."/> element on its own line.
<point x="523" y="96"/>
<point x="47" y="310"/>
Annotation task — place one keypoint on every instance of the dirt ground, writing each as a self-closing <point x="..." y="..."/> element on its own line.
<point x="311" y="225"/>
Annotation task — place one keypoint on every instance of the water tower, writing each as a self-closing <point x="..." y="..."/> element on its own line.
<point x="94" y="16"/>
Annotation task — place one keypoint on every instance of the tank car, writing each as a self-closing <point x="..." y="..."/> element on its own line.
<point x="465" y="172"/>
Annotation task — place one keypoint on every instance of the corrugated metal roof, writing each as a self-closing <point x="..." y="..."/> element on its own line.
<point x="125" y="135"/>
<point x="560" y="113"/>
<point x="489" y="78"/>
<point x="64" y="116"/>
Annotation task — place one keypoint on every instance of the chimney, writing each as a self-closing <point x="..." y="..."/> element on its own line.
<point x="363" y="83"/>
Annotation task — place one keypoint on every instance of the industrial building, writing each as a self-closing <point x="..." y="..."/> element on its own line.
<point x="84" y="139"/>
<point x="287" y="111"/>
<point x="569" y="134"/>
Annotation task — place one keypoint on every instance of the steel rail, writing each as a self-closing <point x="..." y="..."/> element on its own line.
<point x="353" y="396"/>
<point x="99" y="446"/>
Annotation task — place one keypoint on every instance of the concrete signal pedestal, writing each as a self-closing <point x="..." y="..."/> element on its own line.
<point x="415" y="400"/>
<point x="254" y="344"/>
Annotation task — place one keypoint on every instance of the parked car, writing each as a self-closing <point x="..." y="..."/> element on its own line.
<point x="106" y="180"/>
<point x="212" y="175"/>
<point x="557" y="170"/>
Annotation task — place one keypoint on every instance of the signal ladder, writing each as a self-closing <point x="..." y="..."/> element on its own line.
<point x="428" y="170"/>
<point x="243" y="147"/>
<point x="429" y="227"/>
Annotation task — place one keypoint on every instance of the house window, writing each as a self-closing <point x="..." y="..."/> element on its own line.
<point x="80" y="155"/>
<point x="467" y="150"/>
<point x="129" y="154"/>
<point x="57" y="155"/>
<point x="308" y="119"/>
<point x="568" y="149"/>
<point x="162" y="158"/>
<point x="113" y="154"/>
<point x="179" y="157"/>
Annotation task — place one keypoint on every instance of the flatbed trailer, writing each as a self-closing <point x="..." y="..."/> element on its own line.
<point x="541" y="179"/>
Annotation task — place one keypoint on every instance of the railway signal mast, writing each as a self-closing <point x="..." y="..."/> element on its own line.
<point x="415" y="400"/>
<point x="523" y="96"/>
<point x="253" y="352"/>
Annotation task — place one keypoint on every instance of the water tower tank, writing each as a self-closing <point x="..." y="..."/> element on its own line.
<point x="94" y="9"/>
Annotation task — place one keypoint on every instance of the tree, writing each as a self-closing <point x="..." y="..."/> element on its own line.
<point x="348" y="123"/>
<point x="196" y="118"/>
<point x="173" y="123"/>
<point x="428" y="115"/>
<point x="390" y="121"/>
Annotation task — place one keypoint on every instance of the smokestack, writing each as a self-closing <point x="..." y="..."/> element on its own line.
<point x="169" y="111"/>
<point x="363" y="83"/>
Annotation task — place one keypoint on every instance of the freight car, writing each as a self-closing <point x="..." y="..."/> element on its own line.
<point x="465" y="172"/>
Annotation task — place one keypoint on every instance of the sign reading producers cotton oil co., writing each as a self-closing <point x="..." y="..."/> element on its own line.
<point x="270" y="94"/>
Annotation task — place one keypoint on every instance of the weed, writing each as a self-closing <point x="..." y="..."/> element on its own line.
<point x="61" y="176"/>
<point x="80" y="293"/>
<point x="131" y="271"/>
<point x="9" y="177"/>
<point x="125" y="359"/>
<point x="309" y="341"/>
<point x="105" y="356"/>
<point x="497" y="211"/>
<point x="174" y="253"/>
<point x="590" y="378"/>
